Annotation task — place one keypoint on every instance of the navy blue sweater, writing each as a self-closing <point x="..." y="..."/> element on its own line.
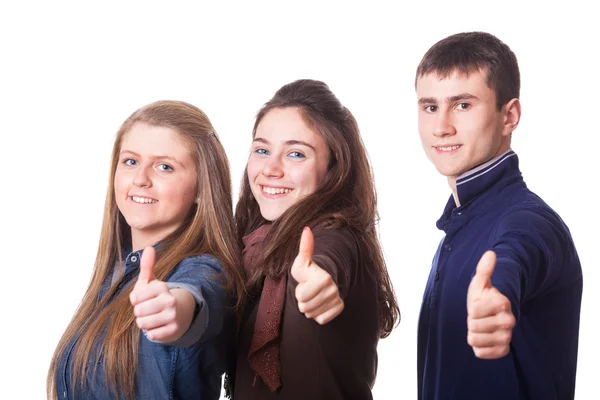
<point x="537" y="269"/>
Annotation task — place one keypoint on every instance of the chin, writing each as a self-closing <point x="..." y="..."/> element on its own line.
<point x="271" y="214"/>
<point x="447" y="170"/>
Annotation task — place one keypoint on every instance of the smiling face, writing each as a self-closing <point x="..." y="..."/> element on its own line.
<point x="288" y="161"/>
<point x="155" y="182"/>
<point x="459" y="124"/>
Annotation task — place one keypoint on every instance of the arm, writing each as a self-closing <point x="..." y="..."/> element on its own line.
<point x="321" y="270"/>
<point x="176" y="312"/>
<point x="526" y="260"/>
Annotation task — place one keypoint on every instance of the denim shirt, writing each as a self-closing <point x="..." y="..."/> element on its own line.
<point x="189" y="368"/>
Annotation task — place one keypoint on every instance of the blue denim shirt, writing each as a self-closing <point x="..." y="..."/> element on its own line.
<point x="191" y="367"/>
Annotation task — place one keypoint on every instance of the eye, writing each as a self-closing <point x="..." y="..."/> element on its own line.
<point x="165" y="168"/>
<point x="130" y="162"/>
<point x="462" y="106"/>
<point x="430" y="108"/>
<point x="261" y="152"/>
<point x="296" y="155"/>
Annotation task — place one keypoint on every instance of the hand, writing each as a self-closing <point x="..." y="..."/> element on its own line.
<point x="154" y="305"/>
<point x="490" y="320"/>
<point x="317" y="294"/>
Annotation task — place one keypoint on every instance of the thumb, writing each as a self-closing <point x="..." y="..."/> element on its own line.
<point x="483" y="274"/>
<point x="305" y="252"/>
<point x="307" y="244"/>
<point x="147" y="265"/>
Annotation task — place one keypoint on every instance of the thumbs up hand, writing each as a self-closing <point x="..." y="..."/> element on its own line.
<point x="154" y="306"/>
<point x="317" y="294"/>
<point x="489" y="317"/>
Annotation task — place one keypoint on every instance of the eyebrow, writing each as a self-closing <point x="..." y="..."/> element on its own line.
<point x="451" y="99"/>
<point x="287" y="142"/>
<point x="153" y="157"/>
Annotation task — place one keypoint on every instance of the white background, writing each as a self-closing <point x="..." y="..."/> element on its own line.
<point x="71" y="73"/>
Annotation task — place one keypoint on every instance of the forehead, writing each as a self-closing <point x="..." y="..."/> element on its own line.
<point x="150" y="139"/>
<point x="285" y="124"/>
<point x="437" y="85"/>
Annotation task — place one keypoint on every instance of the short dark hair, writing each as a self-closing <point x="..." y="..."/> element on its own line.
<point x="472" y="51"/>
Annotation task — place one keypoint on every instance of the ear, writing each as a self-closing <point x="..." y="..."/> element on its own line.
<point x="512" y="116"/>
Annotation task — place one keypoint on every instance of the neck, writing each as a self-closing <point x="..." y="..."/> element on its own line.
<point x="452" y="184"/>
<point x="141" y="240"/>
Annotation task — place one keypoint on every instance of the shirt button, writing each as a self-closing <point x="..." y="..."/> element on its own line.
<point x="437" y="276"/>
<point x="447" y="247"/>
<point x="133" y="258"/>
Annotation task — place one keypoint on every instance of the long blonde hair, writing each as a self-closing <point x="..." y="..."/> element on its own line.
<point x="209" y="229"/>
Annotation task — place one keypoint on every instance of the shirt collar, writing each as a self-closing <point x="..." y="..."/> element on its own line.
<point x="473" y="184"/>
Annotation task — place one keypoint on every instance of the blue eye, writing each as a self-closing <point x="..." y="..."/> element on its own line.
<point x="130" y="162"/>
<point x="296" y="154"/>
<point x="165" y="168"/>
<point x="262" y="152"/>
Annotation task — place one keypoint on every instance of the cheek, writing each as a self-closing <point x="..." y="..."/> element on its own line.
<point x="181" y="193"/>
<point x="307" y="178"/>
<point x="120" y="184"/>
<point x="253" y="169"/>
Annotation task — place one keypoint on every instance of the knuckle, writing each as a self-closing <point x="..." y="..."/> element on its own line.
<point x="470" y="339"/>
<point x="171" y="314"/>
<point x="505" y="337"/>
<point x="332" y="292"/>
<point x="170" y="300"/>
<point x="299" y="293"/>
<point x="301" y="306"/>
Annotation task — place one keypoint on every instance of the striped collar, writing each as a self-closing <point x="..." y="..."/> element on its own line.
<point x="475" y="183"/>
<point x="477" y="180"/>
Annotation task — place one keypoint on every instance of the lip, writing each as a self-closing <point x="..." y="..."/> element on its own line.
<point x="131" y="196"/>
<point x="454" y="146"/>
<point x="276" y="195"/>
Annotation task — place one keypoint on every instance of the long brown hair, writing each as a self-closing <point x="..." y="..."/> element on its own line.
<point x="345" y="197"/>
<point x="209" y="229"/>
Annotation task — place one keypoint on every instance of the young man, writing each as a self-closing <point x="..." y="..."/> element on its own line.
<point x="499" y="324"/>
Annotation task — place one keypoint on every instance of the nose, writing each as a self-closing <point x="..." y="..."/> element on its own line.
<point x="273" y="167"/>
<point x="444" y="125"/>
<point x="142" y="178"/>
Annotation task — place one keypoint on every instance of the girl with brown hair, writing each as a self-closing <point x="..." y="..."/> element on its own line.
<point x="156" y="319"/>
<point x="318" y="304"/>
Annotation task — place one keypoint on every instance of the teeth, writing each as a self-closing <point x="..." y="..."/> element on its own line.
<point x="448" y="148"/>
<point x="270" y="190"/>
<point x="143" y="200"/>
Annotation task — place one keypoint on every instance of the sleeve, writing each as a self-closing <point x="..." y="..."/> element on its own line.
<point x="202" y="277"/>
<point x="336" y="251"/>
<point x="532" y="247"/>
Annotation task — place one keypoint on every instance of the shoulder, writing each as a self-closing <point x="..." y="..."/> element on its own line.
<point x="337" y="247"/>
<point x="530" y="216"/>
<point x="202" y="260"/>
<point x="534" y="223"/>
<point x="199" y="267"/>
<point x="336" y="237"/>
